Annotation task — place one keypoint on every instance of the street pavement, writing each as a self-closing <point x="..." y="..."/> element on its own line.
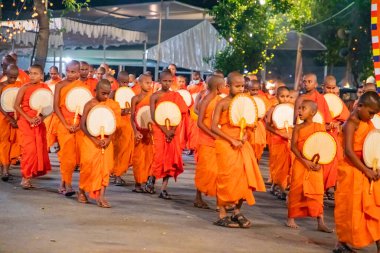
<point x="40" y="220"/>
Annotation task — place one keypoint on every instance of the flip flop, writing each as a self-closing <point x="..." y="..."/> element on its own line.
<point x="103" y="204"/>
<point x="62" y="191"/>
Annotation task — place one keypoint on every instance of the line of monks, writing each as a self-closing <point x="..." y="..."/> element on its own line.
<point x="226" y="165"/>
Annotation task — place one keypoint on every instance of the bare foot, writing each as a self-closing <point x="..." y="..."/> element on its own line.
<point x="291" y="224"/>
<point x="323" y="228"/>
<point x="102" y="202"/>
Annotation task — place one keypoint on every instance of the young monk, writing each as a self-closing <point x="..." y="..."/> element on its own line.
<point x="123" y="78"/>
<point x="69" y="135"/>
<point x="91" y="71"/>
<point x="35" y="160"/>
<point x="238" y="173"/>
<point x="257" y="135"/>
<point x="293" y="95"/>
<point x="280" y="156"/>
<point x="330" y="171"/>
<point x="173" y="70"/>
<point x="143" y="151"/>
<point x="9" y="143"/>
<point x="122" y="140"/>
<point x="100" y="72"/>
<point x="95" y="163"/>
<point x="167" y="160"/>
<point x="90" y="82"/>
<point x="357" y="212"/>
<point x="54" y="78"/>
<point x="305" y="197"/>
<point x="206" y="164"/>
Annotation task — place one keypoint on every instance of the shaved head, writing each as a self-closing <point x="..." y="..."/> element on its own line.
<point x="214" y="82"/>
<point x="144" y="76"/>
<point x="73" y="64"/>
<point x="165" y="73"/>
<point x="104" y="83"/>
<point x="233" y="76"/>
<point x="281" y="89"/>
<point x="12" y="70"/>
<point x="311" y="104"/>
<point x="218" y="73"/>
<point x="370" y="99"/>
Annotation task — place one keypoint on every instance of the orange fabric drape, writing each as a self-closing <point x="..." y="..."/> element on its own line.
<point x="321" y="103"/>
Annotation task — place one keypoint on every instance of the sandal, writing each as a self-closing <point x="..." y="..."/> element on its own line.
<point x="226" y="222"/>
<point x="103" y="203"/>
<point x="202" y="205"/>
<point x="164" y="195"/>
<point x="119" y="182"/>
<point x="138" y="190"/>
<point x="62" y="191"/>
<point x="330" y="195"/>
<point x="82" y="198"/>
<point x="5" y="177"/>
<point x="26" y="185"/>
<point x="149" y="187"/>
<point x="69" y="193"/>
<point x="241" y="220"/>
<point x="343" y="248"/>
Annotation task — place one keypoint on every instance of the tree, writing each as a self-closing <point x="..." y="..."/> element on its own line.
<point x="253" y="27"/>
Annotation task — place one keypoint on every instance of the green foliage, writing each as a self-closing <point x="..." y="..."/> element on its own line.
<point x="74" y="5"/>
<point x="252" y="28"/>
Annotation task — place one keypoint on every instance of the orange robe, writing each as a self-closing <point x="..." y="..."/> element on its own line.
<point x="69" y="154"/>
<point x="9" y="140"/>
<point x="91" y="85"/>
<point x="193" y="130"/>
<point x="143" y="152"/>
<point x="238" y="171"/>
<point x="330" y="171"/>
<point x="34" y="156"/>
<point x="22" y="77"/>
<point x="305" y="197"/>
<point x="95" y="167"/>
<point x="196" y="88"/>
<point x="123" y="140"/>
<point x="136" y="88"/>
<point x="206" y="164"/>
<point x="357" y="213"/>
<point x="52" y="121"/>
<point x="321" y="103"/>
<point x="167" y="159"/>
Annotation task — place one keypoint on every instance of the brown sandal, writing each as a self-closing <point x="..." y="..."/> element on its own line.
<point x="103" y="203"/>
<point x="82" y="198"/>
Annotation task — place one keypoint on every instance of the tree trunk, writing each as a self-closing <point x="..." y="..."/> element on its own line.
<point x="43" y="34"/>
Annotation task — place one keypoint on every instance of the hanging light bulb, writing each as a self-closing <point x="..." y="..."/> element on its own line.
<point x="35" y="14"/>
<point x="14" y="3"/>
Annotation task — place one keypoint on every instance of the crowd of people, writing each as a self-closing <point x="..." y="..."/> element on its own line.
<point x="227" y="156"/>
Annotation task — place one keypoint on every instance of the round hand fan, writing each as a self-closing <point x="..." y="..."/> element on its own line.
<point x="371" y="152"/>
<point x="76" y="99"/>
<point x="222" y="95"/>
<point x="283" y="116"/>
<point x="124" y="96"/>
<point x="194" y="96"/>
<point x="243" y="112"/>
<point x="186" y="96"/>
<point x="375" y="121"/>
<point x="318" y="118"/>
<point x="335" y="104"/>
<point x="261" y="108"/>
<point x="42" y="101"/>
<point x="8" y="98"/>
<point x="320" y="148"/>
<point x="143" y="117"/>
<point x="168" y="114"/>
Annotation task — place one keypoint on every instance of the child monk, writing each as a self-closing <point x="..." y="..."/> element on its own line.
<point x="34" y="157"/>
<point x="257" y="135"/>
<point x="306" y="201"/>
<point x="238" y="173"/>
<point x="143" y="151"/>
<point x="90" y="82"/>
<point x="206" y="164"/>
<point x="95" y="163"/>
<point x="330" y="171"/>
<point x="167" y="160"/>
<point x="293" y="95"/>
<point x="280" y="156"/>
<point x="357" y="212"/>
<point x="69" y="135"/>
<point x="9" y="143"/>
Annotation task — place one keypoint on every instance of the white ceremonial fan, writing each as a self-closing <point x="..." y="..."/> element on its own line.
<point x="335" y="104"/>
<point x="186" y="96"/>
<point x="76" y="99"/>
<point x="42" y="101"/>
<point x="8" y="98"/>
<point x="376" y="121"/>
<point x="101" y="121"/>
<point x="283" y="116"/>
<point x="371" y="152"/>
<point x="243" y="112"/>
<point x="194" y="96"/>
<point x="168" y="114"/>
<point x="261" y="108"/>
<point x="143" y="118"/>
<point x="318" y="118"/>
<point x="320" y="148"/>
<point x="124" y="96"/>
<point x="222" y="95"/>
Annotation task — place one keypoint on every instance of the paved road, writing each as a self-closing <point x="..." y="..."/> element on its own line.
<point x="42" y="221"/>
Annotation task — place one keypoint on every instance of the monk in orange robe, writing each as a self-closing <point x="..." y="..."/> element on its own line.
<point x="167" y="160"/>
<point x="22" y="77"/>
<point x="257" y="135"/>
<point x="69" y="134"/>
<point x="357" y="212"/>
<point x="9" y="143"/>
<point x="143" y="151"/>
<point x="96" y="154"/>
<point x="90" y="82"/>
<point x="238" y="172"/>
<point x="280" y="156"/>
<point x="175" y="85"/>
<point x="305" y="197"/>
<point x="35" y="160"/>
<point x="52" y="121"/>
<point x="123" y="141"/>
<point x="206" y="163"/>
<point x="330" y="171"/>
